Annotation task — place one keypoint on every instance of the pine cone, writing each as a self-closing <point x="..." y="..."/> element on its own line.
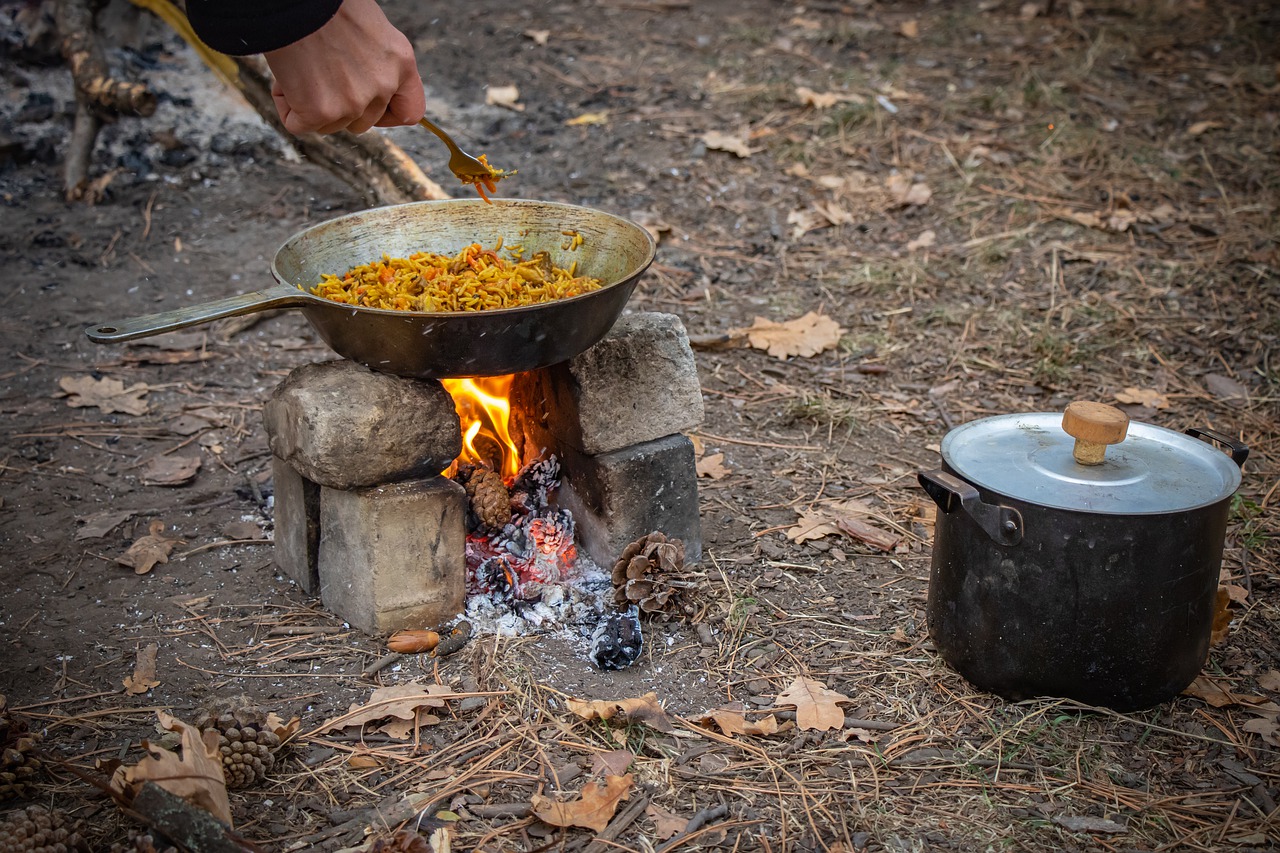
<point x="246" y="739"/>
<point x="19" y="765"/>
<point x="490" y="500"/>
<point x="403" y="841"/>
<point x="646" y="576"/>
<point x="36" y="830"/>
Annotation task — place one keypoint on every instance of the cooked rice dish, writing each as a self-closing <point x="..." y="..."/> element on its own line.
<point x="476" y="279"/>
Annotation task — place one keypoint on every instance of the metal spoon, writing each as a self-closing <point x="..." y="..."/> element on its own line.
<point x="468" y="169"/>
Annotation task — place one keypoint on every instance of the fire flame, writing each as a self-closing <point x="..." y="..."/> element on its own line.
<point x="484" y="408"/>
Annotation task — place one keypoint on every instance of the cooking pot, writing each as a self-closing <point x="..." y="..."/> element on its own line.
<point x="445" y="344"/>
<point x="1077" y="555"/>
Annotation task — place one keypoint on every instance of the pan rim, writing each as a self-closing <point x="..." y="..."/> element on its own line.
<point x="320" y="301"/>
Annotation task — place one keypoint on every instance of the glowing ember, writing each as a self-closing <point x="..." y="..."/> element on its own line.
<point x="527" y="544"/>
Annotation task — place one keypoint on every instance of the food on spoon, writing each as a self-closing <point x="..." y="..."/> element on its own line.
<point x="491" y="181"/>
<point x="475" y="279"/>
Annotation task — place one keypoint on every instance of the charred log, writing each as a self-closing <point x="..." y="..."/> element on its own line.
<point x="99" y="96"/>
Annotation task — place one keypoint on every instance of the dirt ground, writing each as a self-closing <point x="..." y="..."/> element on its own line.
<point x="1005" y="207"/>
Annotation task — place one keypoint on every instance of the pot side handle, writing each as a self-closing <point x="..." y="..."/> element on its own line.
<point x="1002" y="523"/>
<point x="1239" y="452"/>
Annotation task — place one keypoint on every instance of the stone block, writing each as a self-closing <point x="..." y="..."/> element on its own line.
<point x="297" y="525"/>
<point x="345" y="426"/>
<point x="394" y="556"/>
<point x="619" y="496"/>
<point x="638" y="384"/>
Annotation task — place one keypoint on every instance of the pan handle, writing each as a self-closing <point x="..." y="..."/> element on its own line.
<point x="1239" y="452"/>
<point x="1002" y="523"/>
<point x="280" y="296"/>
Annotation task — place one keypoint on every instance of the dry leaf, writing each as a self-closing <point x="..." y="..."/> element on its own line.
<point x="1226" y="389"/>
<point x="1266" y="727"/>
<point x="924" y="241"/>
<point x="593" y="809"/>
<point x="401" y="701"/>
<point x="540" y="37"/>
<point x="817" y="100"/>
<point x="718" y="141"/>
<point x="144" y="671"/>
<point x="413" y="641"/>
<point x="170" y="470"/>
<point x="645" y="709"/>
<point x="1201" y="126"/>
<point x="362" y="761"/>
<point x="107" y="394"/>
<point x="1148" y="397"/>
<point x="612" y="763"/>
<point x="243" y="530"/>
<point x="101" y="523"/>
<point x="148" y="550"/>
<point x="804" y="221"/>
<point x="803" y="336"/>
<point x="665" y="824"/>
<point x="588" y="118"/>
<point x="907" y="192"/>
<point x="817" y="708"/>
<point x="1215" y="694"/>
<point x="712" y="466"/>
<point x="1221" y="616"/>
<point x="869" y="534"/>
<point x="1270" y="680"/>
<point x="910" y="29"/>
<point x="732" y="720"/>
<point x="503" y="96"/>
<point x="195" y="775"/>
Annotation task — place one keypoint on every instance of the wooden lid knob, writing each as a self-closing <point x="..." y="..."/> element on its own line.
<point x="1094" y="426"/>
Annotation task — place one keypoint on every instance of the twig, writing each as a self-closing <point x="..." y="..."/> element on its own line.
<point x="381" y="664"/>
<point x="617" y="826"/>
<point x="695" y="823"/>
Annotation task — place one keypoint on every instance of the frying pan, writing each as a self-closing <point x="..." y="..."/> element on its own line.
<point x="440" y="345"/>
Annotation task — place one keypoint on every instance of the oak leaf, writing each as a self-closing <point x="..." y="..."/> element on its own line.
<point x="644" y="709"/>
<point x="712" y="466"/>
<point x="107" y="394"/>
<point x="195" y="775"/>
<point x="402" y="701"/>
<point x="817" y="707"/>
<point x="592" y="809"/>
<point x="148" y="550"/>
<point x="804" y="336"/>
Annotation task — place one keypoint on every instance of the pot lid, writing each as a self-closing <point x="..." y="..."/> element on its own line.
<point x="1145" y="469"/>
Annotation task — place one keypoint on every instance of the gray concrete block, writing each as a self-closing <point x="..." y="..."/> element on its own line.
<point x="297" y="525"/>
<point x="394" y="556"/>
<point x="344" y="426"/>
<point x="638" y="384"/>
<point x="618" y="497"/>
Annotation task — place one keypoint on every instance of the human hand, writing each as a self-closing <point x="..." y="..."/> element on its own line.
<point x="356" y="72"/>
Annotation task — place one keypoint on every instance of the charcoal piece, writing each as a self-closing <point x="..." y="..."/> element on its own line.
<point x="616" y="642"/>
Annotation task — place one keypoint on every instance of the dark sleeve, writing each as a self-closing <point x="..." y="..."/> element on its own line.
<point x="242" y="27"/>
